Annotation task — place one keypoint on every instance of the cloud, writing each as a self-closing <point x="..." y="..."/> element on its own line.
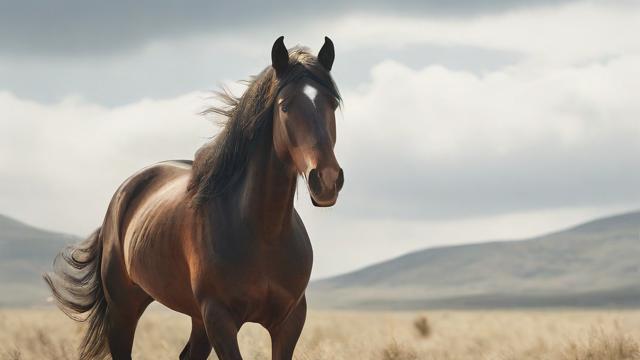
<point x="78" y="27"/>
<point x="60" y="164"/>
<point x="160" y="70"/>
<point x="567" y="34"/>
<point x="432" y="155"/>
<point x="440" y="143"/>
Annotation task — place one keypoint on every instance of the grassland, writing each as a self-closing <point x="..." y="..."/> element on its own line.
<point x="504" y="335"/>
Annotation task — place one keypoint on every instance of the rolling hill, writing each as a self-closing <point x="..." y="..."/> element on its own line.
<point x="593" y="264"/>
<point x="25" y="253"/>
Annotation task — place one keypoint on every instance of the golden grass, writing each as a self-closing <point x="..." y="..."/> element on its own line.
<point x="499" y="335"/>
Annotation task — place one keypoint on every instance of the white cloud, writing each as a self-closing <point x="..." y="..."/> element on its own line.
<point x="556" y="34"/>
<point x="432" y="156"/>
<point x="566" y="33"/>
<point x="60" y="164"/>
<point x="452" y="143"/>
<point x="436" y="112"/>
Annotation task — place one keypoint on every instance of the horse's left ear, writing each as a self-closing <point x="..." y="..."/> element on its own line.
<point x="327" y="54"/>
<point x="279" y="56"/>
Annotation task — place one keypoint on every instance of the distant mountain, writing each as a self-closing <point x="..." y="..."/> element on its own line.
<point x="594" y="264"/>
<point x="25" y="253"/>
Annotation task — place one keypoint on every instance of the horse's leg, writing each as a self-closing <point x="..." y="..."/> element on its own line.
<point x="222" y="331"/>
<point x="285" y="336"/>
<point x="198" y="347"/>
<point x="126" y="302"/>
<point x="123" y="319"/>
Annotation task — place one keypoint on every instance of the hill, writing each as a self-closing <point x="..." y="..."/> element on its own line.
<point x="593" y="264"/>
<point x="25" y="253"/>
<point x="596" y="264"/>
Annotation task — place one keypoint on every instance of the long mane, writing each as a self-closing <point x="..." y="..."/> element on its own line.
<point x="219" y="163"/>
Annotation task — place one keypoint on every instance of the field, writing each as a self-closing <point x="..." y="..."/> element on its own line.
<point x="505" y="335"/>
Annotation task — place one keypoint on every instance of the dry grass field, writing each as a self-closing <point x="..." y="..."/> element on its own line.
<point x="507" y="335"/>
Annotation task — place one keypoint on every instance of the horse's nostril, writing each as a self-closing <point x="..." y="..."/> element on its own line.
<point x="340" y="180"/>
<point x="315" y="185"/>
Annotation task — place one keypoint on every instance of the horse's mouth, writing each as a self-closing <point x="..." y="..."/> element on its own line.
<point x="324" y="194"/>
<point x="329" y="203"/>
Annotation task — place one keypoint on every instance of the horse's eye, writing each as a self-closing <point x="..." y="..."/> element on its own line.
<point x="285" y="108"/>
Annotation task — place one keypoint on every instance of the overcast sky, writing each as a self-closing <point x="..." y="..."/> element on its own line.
<point x="463" y="120"/>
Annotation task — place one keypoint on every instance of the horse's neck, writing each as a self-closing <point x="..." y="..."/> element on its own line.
<point x="266" y="193"/>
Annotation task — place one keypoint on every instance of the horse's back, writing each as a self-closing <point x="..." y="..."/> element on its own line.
<point x="145" y="184"/>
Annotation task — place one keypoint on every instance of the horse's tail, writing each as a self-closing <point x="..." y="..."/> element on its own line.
<point x="76" y="285"/>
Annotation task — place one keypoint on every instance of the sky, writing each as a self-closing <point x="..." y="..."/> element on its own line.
<point x="463" y="121"/>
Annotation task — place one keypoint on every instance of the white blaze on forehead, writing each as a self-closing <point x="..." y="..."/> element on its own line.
<point x="311" y="93"/>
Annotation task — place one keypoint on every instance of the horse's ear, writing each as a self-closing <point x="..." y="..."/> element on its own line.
<point x="279" y="56"/>
<point x="327" y="54"/>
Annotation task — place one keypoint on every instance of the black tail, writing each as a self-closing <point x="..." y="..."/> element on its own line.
<point x="77" y="287"/>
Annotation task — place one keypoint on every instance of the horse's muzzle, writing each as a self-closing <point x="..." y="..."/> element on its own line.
<point x="324" y="185"/>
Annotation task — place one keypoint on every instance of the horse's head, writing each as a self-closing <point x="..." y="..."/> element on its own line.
<point x="304" y="124"/>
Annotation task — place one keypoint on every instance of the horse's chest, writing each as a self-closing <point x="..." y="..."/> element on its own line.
<point x="271" y="303"/>
<point x="270" y="285"/>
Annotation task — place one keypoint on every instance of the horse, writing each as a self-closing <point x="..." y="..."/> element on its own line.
<point x="216" y="238"/>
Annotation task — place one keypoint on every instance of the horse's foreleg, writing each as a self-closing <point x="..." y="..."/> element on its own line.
<point x="285" y="336"/>
<point x="222" y="331"/>
<point x="198" y="347"/>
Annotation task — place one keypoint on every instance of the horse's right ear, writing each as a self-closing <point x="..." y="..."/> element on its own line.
<point x="326" y="54"/>
<point x="279" y="56"/>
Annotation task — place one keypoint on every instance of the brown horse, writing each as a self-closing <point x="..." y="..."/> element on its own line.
<point x="218" y="238"/>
